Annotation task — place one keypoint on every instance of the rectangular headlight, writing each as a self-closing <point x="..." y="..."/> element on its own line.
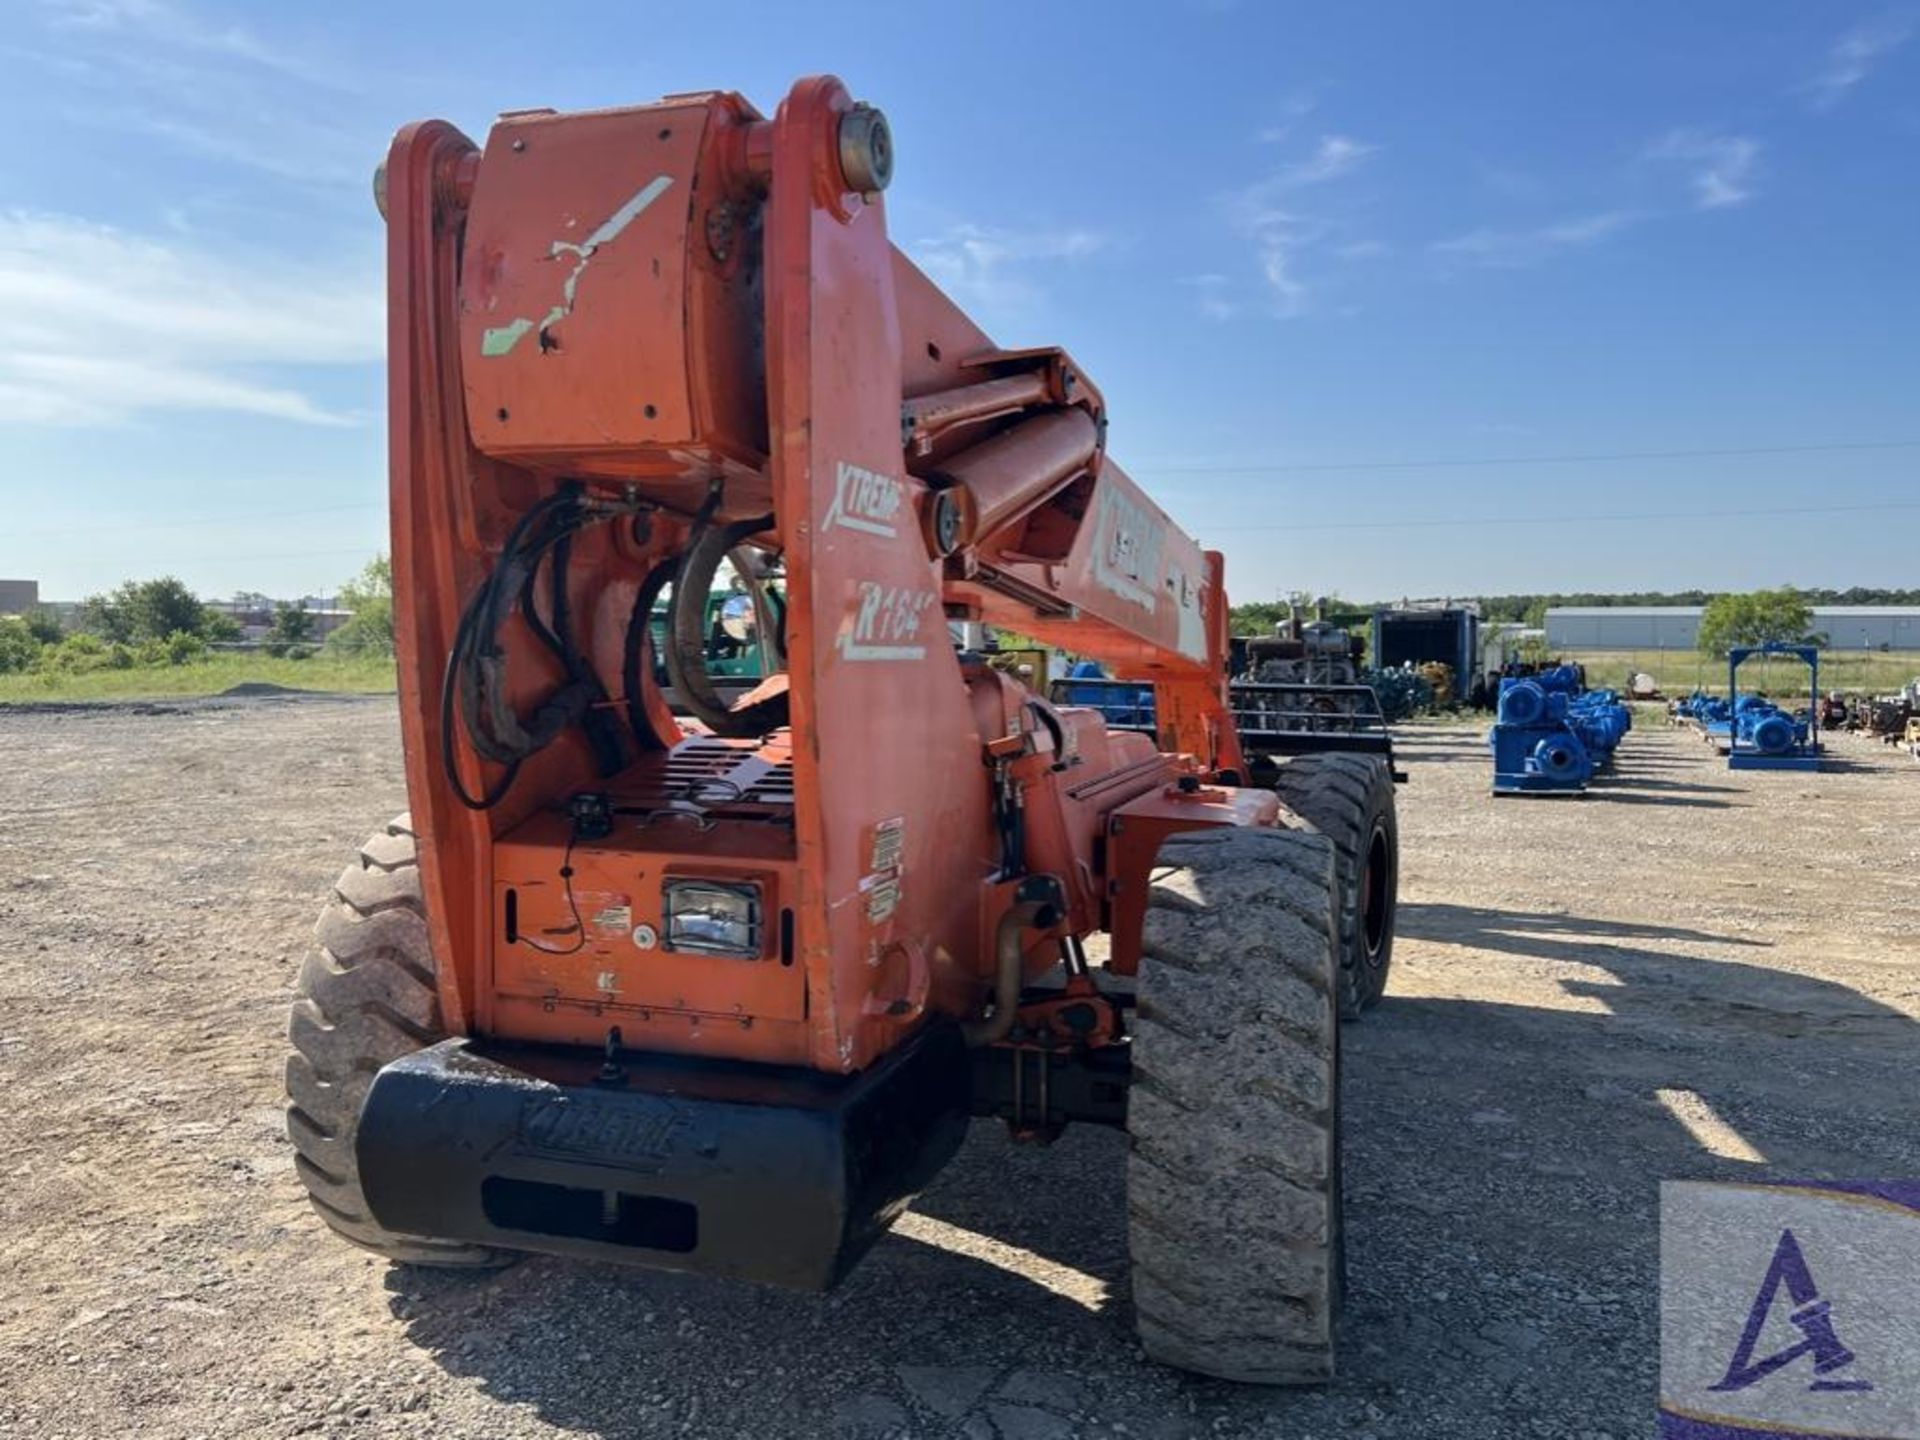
<point x="713" y="918"/>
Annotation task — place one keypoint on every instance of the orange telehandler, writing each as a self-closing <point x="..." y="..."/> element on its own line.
<point x="721" y="996"/>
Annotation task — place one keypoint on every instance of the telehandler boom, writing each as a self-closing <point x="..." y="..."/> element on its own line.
<point x="722" y="996"/>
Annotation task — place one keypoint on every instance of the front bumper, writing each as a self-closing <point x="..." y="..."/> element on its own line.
<point x="773" y="1175"/>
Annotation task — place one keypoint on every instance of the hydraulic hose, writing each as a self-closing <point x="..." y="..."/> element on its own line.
<point x="687" y="636"/>
<point x="633" y="678"/>
<point x="475" y="675"/>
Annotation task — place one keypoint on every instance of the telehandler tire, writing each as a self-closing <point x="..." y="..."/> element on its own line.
<point x="365" y="996"/>
<point x="1233" y="1170"/>
<point x="1349" y="799"/>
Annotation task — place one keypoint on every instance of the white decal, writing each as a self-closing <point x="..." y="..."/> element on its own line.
<point x="1193" y="623"/>
<point x="1127" y="546"/>
<point x="864" y="500"/>
<point x="885" y="623"/>
<point x="500" y="339"/>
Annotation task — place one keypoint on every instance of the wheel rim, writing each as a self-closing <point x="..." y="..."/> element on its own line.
<point x="1376" y="894"/>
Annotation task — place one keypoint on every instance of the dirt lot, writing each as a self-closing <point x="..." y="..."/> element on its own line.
<point x="1689" y="973"/>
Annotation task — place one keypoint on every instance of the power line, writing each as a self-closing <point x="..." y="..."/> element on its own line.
<point x="1564" y="520"/>
<point x="1613" y="457"/>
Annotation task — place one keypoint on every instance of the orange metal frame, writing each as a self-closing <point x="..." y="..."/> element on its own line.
<point x="664" y="299"/>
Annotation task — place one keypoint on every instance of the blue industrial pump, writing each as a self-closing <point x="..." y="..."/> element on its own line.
<point x="1769" y="730"/>
<point x="1601" y="721"/>
<point x="1764" y="736"/>
<point x="1704" y="709"/>
<point x="1755" y="733"/>
<point x="1535" y="749"/>
<point x="1551" y="733"/>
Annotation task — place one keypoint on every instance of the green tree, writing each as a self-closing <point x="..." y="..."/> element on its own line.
<point x="1755" y="618"/>
<point x="370" y="597"/>
<point x="81" y="651"/>
<point x="143" y="610"/>
<point x="1256" y="617"/>
<point x="19" y="647"/>
<point x="44" y="625"/>
<point x="183" y="648"/>
<point x="292" y="626"/>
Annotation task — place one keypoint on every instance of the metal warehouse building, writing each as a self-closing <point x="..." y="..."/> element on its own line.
<point x="1576" y="629"/>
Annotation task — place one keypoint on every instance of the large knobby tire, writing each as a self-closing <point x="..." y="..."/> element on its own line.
<point x="1233" y="1171"/>
<point x="1349" y="799"/>
<point x="365" y="997"/>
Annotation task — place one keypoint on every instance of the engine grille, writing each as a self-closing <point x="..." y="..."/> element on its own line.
<point x="715" y="773"/>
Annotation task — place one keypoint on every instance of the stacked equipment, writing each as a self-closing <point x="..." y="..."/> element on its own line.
<point x="1551" y="736"/>
<point x="1601" y="721"/>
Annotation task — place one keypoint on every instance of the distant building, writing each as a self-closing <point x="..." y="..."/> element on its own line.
<point x="18" y="596"/>
<point x="254" y="615"/>
<point x="1577" y="629"/>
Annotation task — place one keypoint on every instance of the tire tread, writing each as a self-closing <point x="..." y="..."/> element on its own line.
<point x="365" y="997"/>
<point x="1232" y="1172"/>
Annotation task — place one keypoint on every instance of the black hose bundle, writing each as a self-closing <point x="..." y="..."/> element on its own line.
<point x="639" y="621"/>
<point x="686" y="649"/>
<point x="477" y="664"/>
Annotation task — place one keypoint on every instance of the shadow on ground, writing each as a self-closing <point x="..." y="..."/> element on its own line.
<point x="1502" y="1163"/>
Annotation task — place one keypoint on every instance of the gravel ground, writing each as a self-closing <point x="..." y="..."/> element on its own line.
<point x="1689" y="973"/>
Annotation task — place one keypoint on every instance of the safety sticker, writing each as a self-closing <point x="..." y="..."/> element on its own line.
<point x="605" y="910"/>
<point x="881" y="885"/>
<point x="889" y="837"/>
<point x="883" y="898"/>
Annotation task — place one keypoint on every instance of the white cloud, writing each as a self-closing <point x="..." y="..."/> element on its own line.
<point x="1213" y="294"/>
<point x="98" y="325"/>
<point x="1334" y="156"/>
<point x="992" y="269"/>
<point x="289" y="150"/>
<point x="1721" y="166"/>
<point x="157" y="70"/>
<point x="156" y="22"/>
<point x="1279" y="237"/>
<point x="1293" y="109"/>
<point x="1517" y="249"/>
<point x="1853" y="55"/>
<point x="1267" y="212"/>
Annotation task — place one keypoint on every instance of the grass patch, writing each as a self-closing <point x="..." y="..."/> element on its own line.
<point x="208" y="676"/>
<point x="1678" y="671"/>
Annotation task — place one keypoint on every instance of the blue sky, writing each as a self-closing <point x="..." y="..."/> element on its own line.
<point x="1307" y="251"/>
